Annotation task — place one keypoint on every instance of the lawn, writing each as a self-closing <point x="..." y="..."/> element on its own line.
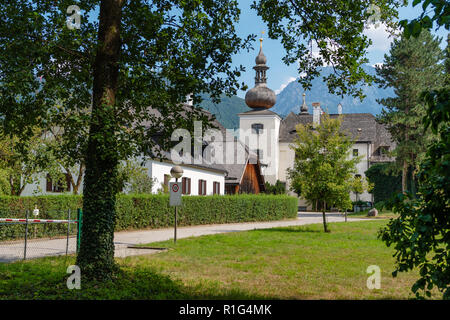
<point x="281" y="263"/>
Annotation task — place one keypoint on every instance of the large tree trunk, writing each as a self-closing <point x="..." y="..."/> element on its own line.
<point x="96" y="255"/>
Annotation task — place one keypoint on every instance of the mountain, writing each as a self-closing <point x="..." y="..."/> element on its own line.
<point x="290" y="99"/>
<point x="227" y="110"/>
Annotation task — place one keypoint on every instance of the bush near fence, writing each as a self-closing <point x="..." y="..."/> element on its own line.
<point x="153" y="211"/>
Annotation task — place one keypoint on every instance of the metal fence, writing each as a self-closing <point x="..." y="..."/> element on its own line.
<point x="24" y="235"/>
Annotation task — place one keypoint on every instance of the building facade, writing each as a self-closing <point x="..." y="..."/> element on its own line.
<point x="271" y="137"/>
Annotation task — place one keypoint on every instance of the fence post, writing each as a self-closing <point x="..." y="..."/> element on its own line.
<point x="68" y="232"/>
<point x="26" y="236"/>
<point x="80" y="223"/>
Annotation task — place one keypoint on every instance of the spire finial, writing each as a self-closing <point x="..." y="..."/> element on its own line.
<point x="261" y="39"/>
<point x="304" y="107"/>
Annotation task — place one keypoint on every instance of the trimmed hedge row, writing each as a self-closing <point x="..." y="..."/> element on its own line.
<point x="152" y="211"/>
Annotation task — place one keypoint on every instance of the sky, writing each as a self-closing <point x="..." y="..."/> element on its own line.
<point x="279" y="75"/>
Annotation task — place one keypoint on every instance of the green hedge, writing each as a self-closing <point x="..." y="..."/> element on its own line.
<point x="385" y="185"/>
<point x="150" y="211"/>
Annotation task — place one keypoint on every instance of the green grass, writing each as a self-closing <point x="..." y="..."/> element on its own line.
<point x="382" y="214"/>
<point x="280" y="263"/>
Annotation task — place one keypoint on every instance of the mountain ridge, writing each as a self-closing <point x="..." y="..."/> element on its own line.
<point x="290" y="100"/>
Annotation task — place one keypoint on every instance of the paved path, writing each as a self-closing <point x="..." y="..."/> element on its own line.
<point x="40" y="248"/>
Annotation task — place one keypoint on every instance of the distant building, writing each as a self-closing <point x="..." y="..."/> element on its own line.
<point x="270" y="136"/>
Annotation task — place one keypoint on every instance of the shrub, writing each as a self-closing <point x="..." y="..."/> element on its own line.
<point x="151" y="211"/>
<point x="384" y="183"/>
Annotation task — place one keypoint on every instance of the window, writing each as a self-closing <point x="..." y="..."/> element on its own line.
<point x="186" y="186"/>
<point x="58" y="186"/>
<point x="166" y="179"/>
<point x="257" y="128"/>
<point x="358" y="176"/>
<point x="355" y="152"/>
<point x="216" y="187"/>
<point x="259" y="153"/>
<point x="201" y="187"/>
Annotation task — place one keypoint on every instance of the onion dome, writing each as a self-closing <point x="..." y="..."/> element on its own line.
<point x="260" y="97"/>
<point x="304" y="107"/>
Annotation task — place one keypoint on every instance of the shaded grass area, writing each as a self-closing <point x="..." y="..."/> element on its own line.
<point x="280" y="263"/>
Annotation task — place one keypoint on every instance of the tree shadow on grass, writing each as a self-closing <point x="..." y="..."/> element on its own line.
<point x="46" y="278"/>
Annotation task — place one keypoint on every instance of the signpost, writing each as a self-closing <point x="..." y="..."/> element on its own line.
<point x="175" y="195"/>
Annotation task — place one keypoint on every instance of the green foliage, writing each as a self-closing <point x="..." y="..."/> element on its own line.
<point x="23" y="161"/>
<point x="322" y="174"/>
<point x="277" y="188"/>
<point x="385" y="183"/>
<point x="152" y="211"/>
<point x="227" y="110"/>
<point x="440" y="16"/>
<point x="421" y="235"/>
<point x="133" y="178"/>
<point x="50" y="207"/>
<point x="412" y="66"/>
<point x="335" y="28"/>
<point x="125" y="57"/>
<point x="5" y="189"/>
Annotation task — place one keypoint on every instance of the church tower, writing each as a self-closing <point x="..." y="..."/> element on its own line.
<point x="259" y="128"/>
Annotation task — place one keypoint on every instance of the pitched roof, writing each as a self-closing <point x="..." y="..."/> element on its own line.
<point x="362" y="127"/>
<point x="235" y="170"/>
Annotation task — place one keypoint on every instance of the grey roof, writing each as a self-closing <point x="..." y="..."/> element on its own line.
<point x="235" y="170"/>
<point x="262" y="111"/>
<point x="362" y="127"/>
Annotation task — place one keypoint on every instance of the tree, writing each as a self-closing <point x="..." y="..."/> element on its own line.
<point x="66" y="137"/>
<point x="421" y="234"/>
<point x="412" y="66"/>
<point x="322" y="173"/>
<point x="124" y="57"/>
<point x="134" y="178"/>
<point x="277" y="188"/>
<point x="22" y="163"/>
<point x="335" y="28"/>
<point x="359" y="185"/>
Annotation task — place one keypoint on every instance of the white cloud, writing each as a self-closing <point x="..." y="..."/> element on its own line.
<point x="284" y="85"/>
<point x="380" y="36"/>
<point x="378" y="64"/>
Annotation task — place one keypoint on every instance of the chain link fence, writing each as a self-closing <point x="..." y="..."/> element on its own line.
<point x="28" y="234"/>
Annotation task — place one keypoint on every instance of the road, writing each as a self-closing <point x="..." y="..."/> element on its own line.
<point x="13" y="251"/>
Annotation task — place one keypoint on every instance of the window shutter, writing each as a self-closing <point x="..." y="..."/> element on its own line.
<point x="200" y="187"/>
<point x="183" y="186"/>
<point x="189" y="185"/>
<point x="204" y="188"/>
<point x="218" y="187"/>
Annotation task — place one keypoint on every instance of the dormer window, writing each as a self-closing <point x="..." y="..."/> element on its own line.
<point x="257" y="128"/>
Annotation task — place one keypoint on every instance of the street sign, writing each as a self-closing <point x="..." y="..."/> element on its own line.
<point x="175" y="194"/>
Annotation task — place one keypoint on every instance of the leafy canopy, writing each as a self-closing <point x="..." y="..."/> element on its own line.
<point x="323" y="172"/>
<point x="169" y="49"/>
<point x="327" y="32"/>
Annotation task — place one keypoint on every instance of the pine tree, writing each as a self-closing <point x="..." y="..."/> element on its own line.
<point x="412" y="66"/>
